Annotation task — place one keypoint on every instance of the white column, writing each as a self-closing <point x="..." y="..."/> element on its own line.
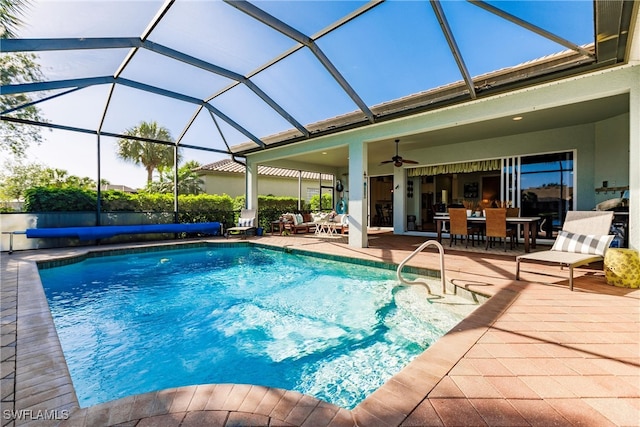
<point x="251" y="183"/>
<point x="634" y="170"/>
<point x="299" y="190"/>
<point x="634" y="143"/>
<point x="358" y="195"/>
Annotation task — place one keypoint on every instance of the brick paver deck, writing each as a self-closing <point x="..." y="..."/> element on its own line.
<point x="535" y="354"/>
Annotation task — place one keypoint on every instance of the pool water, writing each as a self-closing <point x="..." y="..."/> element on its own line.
<point x="148" y="321"/>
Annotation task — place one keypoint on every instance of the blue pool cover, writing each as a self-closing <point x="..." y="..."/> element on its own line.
<point x="106" y="231"/>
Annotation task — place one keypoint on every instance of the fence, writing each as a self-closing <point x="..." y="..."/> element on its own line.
<point x="21" y="221"/>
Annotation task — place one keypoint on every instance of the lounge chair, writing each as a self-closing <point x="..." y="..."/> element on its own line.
<point x="246" y="222"/>
<point x="584" y="239"/>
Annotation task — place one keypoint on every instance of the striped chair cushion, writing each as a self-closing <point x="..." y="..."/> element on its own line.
<point x="582" y="243"/>
<point x="245" y="222"/>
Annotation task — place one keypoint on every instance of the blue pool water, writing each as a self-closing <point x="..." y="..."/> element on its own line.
<point x="148" y="321"/>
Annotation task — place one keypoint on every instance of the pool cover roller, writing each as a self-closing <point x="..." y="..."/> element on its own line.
<point x="106" y="231"/>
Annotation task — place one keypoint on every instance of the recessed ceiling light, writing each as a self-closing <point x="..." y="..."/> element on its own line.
<point x="516" y="118"/>
<point x="324" y="152"/>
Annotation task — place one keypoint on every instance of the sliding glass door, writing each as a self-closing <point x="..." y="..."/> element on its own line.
<point x="540" y="185"/>
<point x="546" y="189"/>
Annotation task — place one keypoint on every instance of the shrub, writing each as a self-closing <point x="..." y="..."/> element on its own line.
<point x="53" y="199"/>
<point x="154" y="202"/>
<point x="327" y="202"/>
<point x="191" y="207"/>
<point x="118" y="201"/>
<point x="206" y="208"/>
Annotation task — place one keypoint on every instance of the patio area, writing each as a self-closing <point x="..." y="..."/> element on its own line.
<point x="535" y="354"/>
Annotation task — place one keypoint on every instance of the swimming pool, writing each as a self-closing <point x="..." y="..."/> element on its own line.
<point x="146" y="321"/>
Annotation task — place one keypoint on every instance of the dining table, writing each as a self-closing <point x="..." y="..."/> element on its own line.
<point x="529" y="223"/>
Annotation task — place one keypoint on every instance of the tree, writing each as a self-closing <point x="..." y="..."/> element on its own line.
<point x="151" y="155"/>
<point x="17" y="178"/>
<point x="17" y="68"/>
<point x="9" y="17"/>
<point x="188" y="181"/>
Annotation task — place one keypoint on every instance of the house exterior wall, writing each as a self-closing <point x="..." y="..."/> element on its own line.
<point x="605" y="150"/>
<point x="234" y="185"/>
<point x="611" y="155"/>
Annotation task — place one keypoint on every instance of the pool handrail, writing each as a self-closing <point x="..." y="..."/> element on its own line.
<point x="420" y="281"/>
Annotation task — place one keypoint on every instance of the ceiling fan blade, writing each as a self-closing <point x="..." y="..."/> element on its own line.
<point x="387" y="161"/>
<point x="413" y="162"/>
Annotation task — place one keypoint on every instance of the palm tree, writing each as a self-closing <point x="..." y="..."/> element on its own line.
<point x="188" y="181"/>
<point x="149" y="154"/>
<point x="10" y="12"/>
<point x="57" y="177"/>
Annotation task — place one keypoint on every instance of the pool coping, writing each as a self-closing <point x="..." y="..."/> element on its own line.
<point x="43" y="382"/>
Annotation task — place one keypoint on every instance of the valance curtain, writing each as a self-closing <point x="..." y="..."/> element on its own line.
<point x="465" y="167"/>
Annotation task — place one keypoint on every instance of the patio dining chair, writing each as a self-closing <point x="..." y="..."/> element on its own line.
<point x="459" y="226"/>
<point x="496" y="227"/>
<point x="514" y="213"/>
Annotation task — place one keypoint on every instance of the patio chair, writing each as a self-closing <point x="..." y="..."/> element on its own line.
<point x="246" y="222"/>
<point x="496" y="227"/>
<point x="459" y="226"/>
<point x="514" y="213"/>
<point x="584" y="239"/>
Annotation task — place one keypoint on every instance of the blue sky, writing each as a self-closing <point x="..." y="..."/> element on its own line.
<point x="394" y="50"/>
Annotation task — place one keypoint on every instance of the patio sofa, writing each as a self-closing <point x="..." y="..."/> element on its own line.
<point x="340" y="221"/>
<point x="306" y="223"/>
<point x="298" y="223"/>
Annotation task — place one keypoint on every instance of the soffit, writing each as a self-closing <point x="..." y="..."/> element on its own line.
<point x="567" y="115"/>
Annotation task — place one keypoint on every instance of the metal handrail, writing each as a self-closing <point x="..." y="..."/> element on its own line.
<point x="421" y="281"/>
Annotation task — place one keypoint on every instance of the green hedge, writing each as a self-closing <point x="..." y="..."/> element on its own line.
<point x="54" y="199"/>
<point x="192" y="208"/>
<point x="270" y="208"/>
<point x="206" y="208"/>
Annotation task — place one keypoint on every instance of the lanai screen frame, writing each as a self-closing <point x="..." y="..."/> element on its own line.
<point x="609" y="17"/>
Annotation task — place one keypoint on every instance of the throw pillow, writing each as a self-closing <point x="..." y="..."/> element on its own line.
<point x="293" y="218"/>
<point x="582" y="243"/>
<point x="245" y="222"/>
<point x="299" y="219"/>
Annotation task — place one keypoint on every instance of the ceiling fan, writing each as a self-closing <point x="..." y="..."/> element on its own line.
<point x="397" y="160"/>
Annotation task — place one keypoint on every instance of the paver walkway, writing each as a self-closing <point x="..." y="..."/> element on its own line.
<point x="535" y="354"/>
